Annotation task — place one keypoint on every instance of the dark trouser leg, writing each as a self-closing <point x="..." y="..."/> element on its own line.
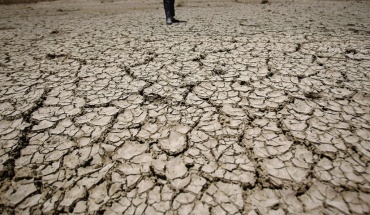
<point x="172" y="8"/>
<point x="167" y="8"/>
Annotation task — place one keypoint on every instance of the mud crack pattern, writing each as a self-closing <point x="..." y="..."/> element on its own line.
<point x="244" y="109"/>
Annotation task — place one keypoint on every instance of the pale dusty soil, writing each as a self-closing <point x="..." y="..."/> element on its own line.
<point x="243" y="109"/>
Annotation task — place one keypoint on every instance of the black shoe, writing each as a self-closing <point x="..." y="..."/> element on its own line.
<point x="169" y="21"/>
<point x="175" y="20"/>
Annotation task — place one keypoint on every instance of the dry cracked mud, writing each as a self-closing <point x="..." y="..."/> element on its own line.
<point x="244" y="109"/>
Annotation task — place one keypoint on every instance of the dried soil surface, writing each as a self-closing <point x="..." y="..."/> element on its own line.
<point x="243" y="109"/>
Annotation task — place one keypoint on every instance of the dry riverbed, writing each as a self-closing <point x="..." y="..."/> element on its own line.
<point x="244" y="109"/>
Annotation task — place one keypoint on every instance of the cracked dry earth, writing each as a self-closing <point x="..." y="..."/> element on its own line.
<point x="244" y="109"/>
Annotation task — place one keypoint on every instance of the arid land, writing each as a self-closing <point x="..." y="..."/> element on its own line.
<point x="245" y="108"/>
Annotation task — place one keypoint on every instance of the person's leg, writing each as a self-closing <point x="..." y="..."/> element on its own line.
<point x="172" y="3"/>
<point x="167" y="7"/>
<point x="173" y="12"/>
<point x="167" y="11"/>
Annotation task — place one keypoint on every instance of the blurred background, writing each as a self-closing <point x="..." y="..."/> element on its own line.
<point x="178" y="2"/>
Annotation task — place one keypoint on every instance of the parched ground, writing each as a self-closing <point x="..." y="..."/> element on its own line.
<point x="244" y="109"/>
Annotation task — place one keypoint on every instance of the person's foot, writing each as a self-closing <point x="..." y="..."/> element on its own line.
<point x="175" y="20"/>
<point x="169" y="21"/>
